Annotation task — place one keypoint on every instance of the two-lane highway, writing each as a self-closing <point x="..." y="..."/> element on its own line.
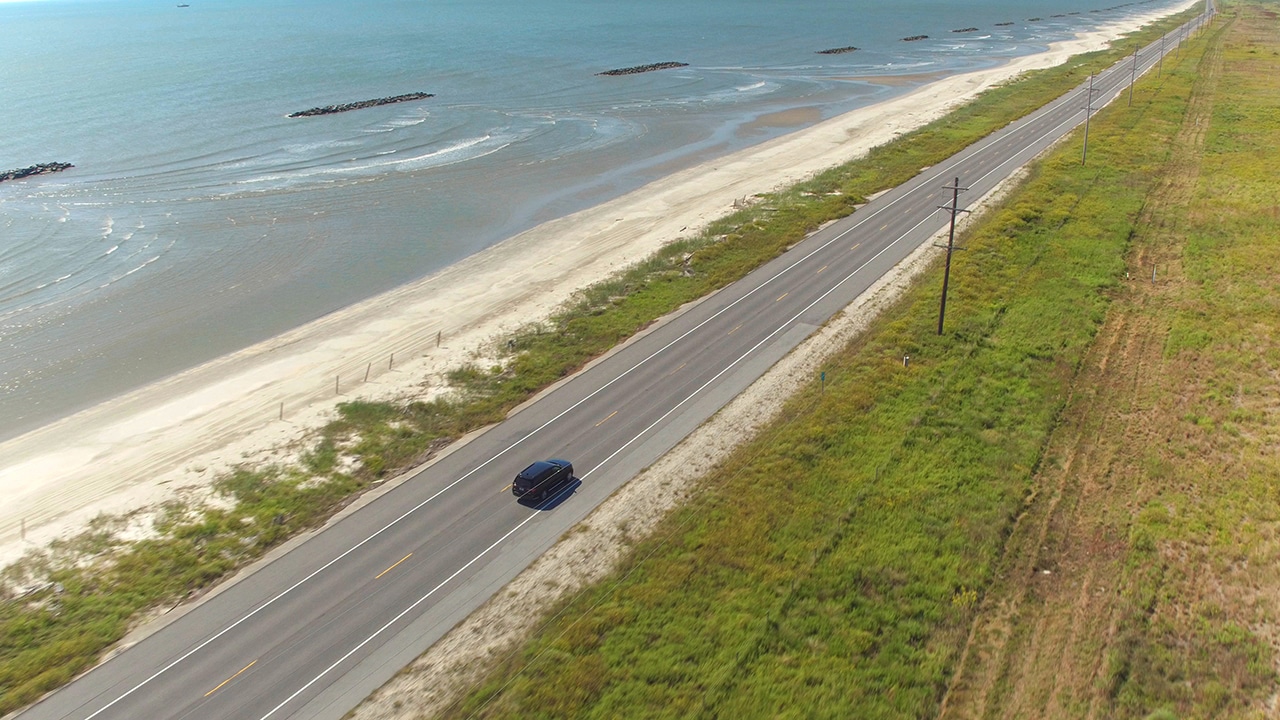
<point x="313" y="632"/>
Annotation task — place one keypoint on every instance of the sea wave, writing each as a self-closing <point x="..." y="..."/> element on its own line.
<point x="448" y="155"/>
<point x="376" y="161"/>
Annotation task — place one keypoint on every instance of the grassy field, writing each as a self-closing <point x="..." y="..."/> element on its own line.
<point x="1142" y="580"/>
<point x="63" y="607"/>
<point x="878" y="552"/>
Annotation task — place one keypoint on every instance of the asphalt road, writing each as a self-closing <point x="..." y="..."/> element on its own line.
<point x="315" y="631"/>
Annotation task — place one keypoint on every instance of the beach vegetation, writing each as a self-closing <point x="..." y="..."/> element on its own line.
<point x="861" y="576"/>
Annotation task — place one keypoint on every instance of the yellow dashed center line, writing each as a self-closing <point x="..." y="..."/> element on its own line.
<point x="233" y="677"/>
<point x="508" y="487"/>
<point x="782" y="296"/>
<point x="393" y="567"/>
<point x="615" y="412"/>
<point x="824" y="267"/>
<point x="734" y="330"/>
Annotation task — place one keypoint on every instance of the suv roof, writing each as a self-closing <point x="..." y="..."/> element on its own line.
<point x="538" y="470"/>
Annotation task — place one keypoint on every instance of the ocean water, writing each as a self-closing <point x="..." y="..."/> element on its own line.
<point x="200" y="219"/>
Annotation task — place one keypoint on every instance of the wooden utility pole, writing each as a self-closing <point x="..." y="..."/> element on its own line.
<point x="1133" y="75"/>
<point x="954" y="208"/>
<point x="1088" y="110"/>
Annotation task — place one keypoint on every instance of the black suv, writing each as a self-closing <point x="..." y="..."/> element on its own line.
<point x="541" y="478"/>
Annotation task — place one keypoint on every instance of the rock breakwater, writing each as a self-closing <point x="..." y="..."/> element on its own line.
<point x="635" y="70"/>
<point x="837" y="51"/>
<point x="345" y="107"/>
<point x="39" y="169"/>
<point x="913" y="38"/>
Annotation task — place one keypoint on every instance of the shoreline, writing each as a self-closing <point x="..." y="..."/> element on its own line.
<point x="170" y="439"/>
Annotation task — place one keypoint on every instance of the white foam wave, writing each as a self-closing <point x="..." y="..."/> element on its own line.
<point x="453" y="149"/>
<point x="312" y="147"/>
<point x="456" y="152"/>
<point x="157" y="257"/>
<point x="406" y="122"/>
<point x="54" y="282"/>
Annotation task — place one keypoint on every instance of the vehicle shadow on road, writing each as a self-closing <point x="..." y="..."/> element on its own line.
<point x="554" y="501"/>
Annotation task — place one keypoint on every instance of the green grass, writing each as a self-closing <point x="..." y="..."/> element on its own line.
<point x="85" y="594"/>
<point x="1193" y="638"/>
<point x="832" y="567"/>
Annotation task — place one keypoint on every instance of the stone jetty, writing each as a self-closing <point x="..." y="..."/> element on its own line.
<point x="837" y="51"/>
<point x="644" y="68"/>
<point x="913" y="38"/>
<point x="1003" y="24"/>
<point x="40" y="169"/>
<point x="969" y="29"/>
<point x="332" y="109"/>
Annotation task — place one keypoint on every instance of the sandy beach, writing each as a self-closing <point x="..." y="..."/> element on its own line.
<point x="170" y="439"/>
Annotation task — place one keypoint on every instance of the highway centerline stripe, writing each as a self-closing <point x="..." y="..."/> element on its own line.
<point x="615" y="412"/>
<point x="782" y="296"/>
<point x="393" y="567"/>
<point x="233" y="677"/>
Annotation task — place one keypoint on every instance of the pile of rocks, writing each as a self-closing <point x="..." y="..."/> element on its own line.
<point x="331" y="109"/>
<point x="644" y="68"/>
<point x="40" y="169"/>
<point x="837" y="51"/>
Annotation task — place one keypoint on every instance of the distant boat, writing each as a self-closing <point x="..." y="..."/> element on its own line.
<point x="184" y="5"/>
